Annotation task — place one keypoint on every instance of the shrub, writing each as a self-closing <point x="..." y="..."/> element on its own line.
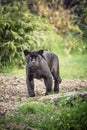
<point x="18" y="30"/>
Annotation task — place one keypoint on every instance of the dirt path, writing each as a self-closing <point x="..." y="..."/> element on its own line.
<point x="13" y="90"/>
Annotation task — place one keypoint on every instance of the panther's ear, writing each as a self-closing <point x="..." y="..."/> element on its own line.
<point x="26" y="52"/>
<point x="40" y="52"/>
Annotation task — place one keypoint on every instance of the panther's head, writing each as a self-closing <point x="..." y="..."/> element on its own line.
<point x="33" y="58"/>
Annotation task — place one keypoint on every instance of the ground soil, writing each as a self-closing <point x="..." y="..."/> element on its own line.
<point x="13" y="90"/>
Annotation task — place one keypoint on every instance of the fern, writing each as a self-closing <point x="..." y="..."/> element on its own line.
<point x="19" y="30"/>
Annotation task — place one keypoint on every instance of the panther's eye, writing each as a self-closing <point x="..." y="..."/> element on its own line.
<point x="32" y="59"/>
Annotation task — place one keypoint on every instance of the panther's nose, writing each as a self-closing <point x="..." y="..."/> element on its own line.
<point x="33" y="61"/>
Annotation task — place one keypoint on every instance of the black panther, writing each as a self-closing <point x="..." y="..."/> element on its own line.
<point x="42" y="64"/>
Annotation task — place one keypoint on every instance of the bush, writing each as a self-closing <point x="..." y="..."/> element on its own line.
<point x="19" y="30"/>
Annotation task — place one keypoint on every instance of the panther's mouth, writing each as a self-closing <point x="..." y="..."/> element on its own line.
<point x="34" y="67"/>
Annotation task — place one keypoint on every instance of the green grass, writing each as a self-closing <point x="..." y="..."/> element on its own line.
<point x="71" y="67"/>
<point x="13" y="70"/>
<point x="74" y="67"/>
<point x="68" y="114"/>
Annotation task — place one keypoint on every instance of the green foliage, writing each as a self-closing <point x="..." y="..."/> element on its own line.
<point x="19" y="30"/>
<point x="68" y="18"/>
<point x="68" y="114"/>
<point x="60" y="13"/>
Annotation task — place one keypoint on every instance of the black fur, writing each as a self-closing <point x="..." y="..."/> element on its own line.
<point x="42" y="64"/>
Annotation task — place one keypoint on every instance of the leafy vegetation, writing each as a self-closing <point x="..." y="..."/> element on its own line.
<point x="64" y="14"/>
<point x="57" y="26"/>
<point x="68" y="114"/>
<point x="20" y="30"/>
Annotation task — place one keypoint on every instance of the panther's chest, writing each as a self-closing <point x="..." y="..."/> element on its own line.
<point x="36" y="74"/>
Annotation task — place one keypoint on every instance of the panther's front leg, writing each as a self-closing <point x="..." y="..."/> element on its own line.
<point x="30" y="86"/>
